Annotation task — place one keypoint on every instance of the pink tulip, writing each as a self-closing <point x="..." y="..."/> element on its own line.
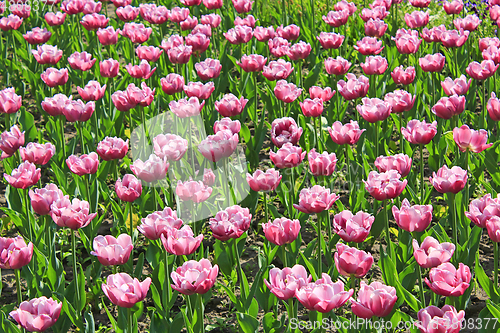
<point x="353" y="228"/>
<point x="374" y="109"/>
<point x="24" y="176"/>
<point x="218" y="146"/>
<point x="285" y="130"/>
<point x="433" y="35"/>
<point x="54" y="19"/>
<point x="336" y="18"/>
<point x="432" y="62"/>
<point x="208" y="177"/>
<point x="408" y="44"/>
<point x="154" y="14"/>
<point x="432" y="253"/>
<point x="82" y="61"/>
<point x="449" y="180"/>
<point x="21" y="10"/>
<point x="420" y="3"/>
<point x="377" y="12"/>
<point x="286" y="92"/>
<point x="248" y="21"/>
<point x="213" y="20"/>
<point x="454" y="38"/>
<point x="459" y="86"/>
<point x="230" y="105"/>
<point x="109" y="68"/>
<point x="446" y="320"/>
<point x="417" y="19"/>
<point x="448" y="107"/>
<point x="240" y="34"/>
<point x="264" y="181"/>
<point x="130" y="189"/>
<point x="94" y="21"/>
<point x="111" y="251"/>
<point x="299" y="51"/>
<point x="54" y="77"/>
<point x="341" y="5"/>
<point x="143" y="96"/>
<point x="315" y="200"/>
<point x="83" y="165"/>
<point x="37" y="153"/>
<point x="234" y="126"/>
<point x="55" y="105"/>
<point x="385" y="185"/>
<point x="47" y="54"/>
<point x="172" y="84"/>
<point x="351" y="261"/>
<point x="11" y="22"/>
<point x="199" y="90"/>
<point x="277" y="70"/>
<point x="71" y="214"/>
<point x="369" y="46"/>
<point x="290" y="32"/>
<point x="493" y="228"/>
<point x="137" y="33"/>
<point x="199" y="42"/>
<point x="454" y="7"/>
<point x="230" y="223"/>
<point x="73" y="7"/>
<point x="494" y="12"/>
<point x="482" y="209"/>
<point x="279" y="47"/>
<point x="10" y="102"/>
<point x="193" y="191"/>
<point x="78" y="111"/>
<point x="284" y="283"/>
<point x="180" y="54"/>
<point x="157" y="223"/>
<point x="92" y="91"/>
<point x="493" y="107"/>
<point x="11" y="141"/>
<point x="419" y="133"/>
<point x="469" y="139"/>
<point x="124" y="291"/>
<point x="43" y="198"/>
<point x="412" y="218"/>
<point x="172" y="42"/>
<point x="446" y="280"/>
<point x="194" y="277"/>
<point x="38" y="314"/>
<point x="345" y="134"/>
<point x="92" y="7"/>
<point x="281" y="231"/>
<point x="242" y="6"/>
<point x="141" y="71"/>
<point x="212" y="4"/>
<point x="252" y="63"/>
<point x="288" y="156"/>
<point x="403" y="76"/>
<point x="375" y="27"/>
<point x="14" y="253"/>
<point x="481" y="71"/>
<point x="375" y="299"/>
<point x="177" y="14"/>
<point x="152" y="170"/>
<point x="400" y="101"/>
<point x="399" y="162"/>
<point x="321" y="164"/>
<point x="148" y="53"/>
<point x="186" y="107"/>
<point x="354" y="88"/>
<point x="374" y="65"/>
<point x="181" y="242"/>
<point x="127" y="13"/>
<point x="323" y="295"/>
<point x="122" y="101"/>
<point x="469" y="23"/>
<point x="170" y="146"/>
<point x="492" y="53"/>
<point x="263" y="34"/>
<point x="330" y="40"/>
<point x="208" y="69"/>
<point x="324" y="94"/>
<point x="486" y="42"/>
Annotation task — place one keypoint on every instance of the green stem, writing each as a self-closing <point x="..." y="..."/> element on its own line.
<point x="387" y="232"/>
<point x="329" y="228"/>
<point x="376" y="139"/>
<point x="18" y="285"/>
<point x="291" y="313"/>
<point x="452" y="212"/>
<point x="167" y="276"/>
<point x="82" y="142"/>
<point x="320" y="238"/>
<point x="87" y="189"/>
<point x="420" y="283"/>
<point x="201" y="312"/>
<point x="495" y="269"/>
<point x="48" y="234"/>
<point x="422" y="174"/>
<point x="63" y="141"/>
<point x="130" y="320"/>
<point x="292" y="190"/>
<point x="316" y="134"/>
<point x="75" y="273"/>
<point x="266" y="212"/>
<point x="400" y="132"/>
<point x="27" y="205"/>
<point x="131" y="226"/>
<point x="239" y="271"/>
<point x="283" y="253"/>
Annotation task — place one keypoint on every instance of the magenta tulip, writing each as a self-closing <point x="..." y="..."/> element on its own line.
<point x="24" y="176"/>
<point x="71" y="214"/>
<point x="264" y="181"/>
<point x="111" y="251"/>
<point x="281" y="231"/>
<point x="449" y="180"/>
<point x="353" y="228"/>
<point x="124" y="291"/>
<point x="315" y="200"/>
<point x="446" y="280"/>
<point x="432" y="253"/>
<point x="38" y="314"/>
<point x="194" y="277"/>
<point x="230" y="223"/>
<point x="181" y="242"/>
<point x="469" y="139"/>
<point x="412" y="218"/>
<point x="14" y="253"/>
<point x="445" y="320"/>
<point x="157" y="223"/>
<point x="375" y="299"/>
<point x="284" y="283"/>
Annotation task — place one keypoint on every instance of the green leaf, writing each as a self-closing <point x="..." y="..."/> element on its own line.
<point x="485" y="282"/>
<point x="248" y="324"/>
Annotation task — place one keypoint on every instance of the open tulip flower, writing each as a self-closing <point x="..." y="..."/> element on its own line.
<point x="194" y="277"/>
<point x="353" y="228"/>
<point x="281" y="231"/>
<point x="469" y="139"/>
<point x="375" y="299"/>
<point x="125" y="291"/>
<point x="434" y="319"/>
<point x="181" y="242"/>
<point x="351" y="261"/>
<point x="230" y="223"/>
<point x="38" y="314"/>
<point x="448" y="180"/>
<point x="315" y="199"/>
<point x="385" y="185"/>
<point x="412" y="218"/>
<point x="158" y="223"/>
<point x="264" y="181"/>
<point x="446" y="280"/>
<point x="431" y="253"/>
<point x="284" y="283"/>
<point x="112" y="251"/>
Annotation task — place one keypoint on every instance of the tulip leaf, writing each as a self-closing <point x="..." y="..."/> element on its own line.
<point x="248" y="324"/>
<point x="485" y="282"/>
<point x="70" y="311"/>
<point x="8" y="326"/>
<point x="494" y="308"/>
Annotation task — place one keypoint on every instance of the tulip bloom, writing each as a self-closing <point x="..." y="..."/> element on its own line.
<point x="419" y="132"/>
<point x="351" y="261"/>
<point x="483" y="70"/>
<point x="130" y="189"/>
<point x="14" y="253"/>
<point x="299" y="51"/>
<point x="321" y="164"/>
<point x="55" y="19"/>
<point x="137" y="33"/>
<point x="408" y="44"/>
<point x="37" y="153"/>
<point x="374" y="109"/>
<point x="323" y="295"/>
<point x="71" y="214"/>
<point x="469" y="139"/>
<point x="83" y="165"/>
<point x="433" y="35"/>
<point x="171" y="146"/>
<point x="336" y="18"/>
<point x="11" y="22"/>
<point x="109" y="68"/>
<point x="482" y="209"/>
<point x="399" y="162"/>
<point x="312" y="107"/>
<point x="330" y="40"/>
<point x="324" y="94"/>
<point x="171" y="84"/>
<point x="385" y="185"/>
<point x="281" y="231"/>
<point x="112" y="148"/>
<point x="432" y="253"/>
<point x="454" y="38"/>
<point x="279" y="47"/>
<point x="288" y="156"/>
<point x="264" y="181"/>
<point x="230" y="223"/>
<point x="403" y="76"/>
<point x="412" y="218"/>
<point x="375" y="299"/>
<point x="43" y="198"/>
<point x="199" y="90"/>
<point x="369" y="46"/>
<point x="226" y="124"/>
<point x="82" y="61"/>
<point x="493" y="107"/>
<point x="218" y="146"/>
<point x="141" y="71"/>
<point x="417" y="19"/>
<point x="454" y="7"/>
<point x="152" y="170"/>
<point x="38" y="314"/>
<point x="24" y="176"/>
<point x="375" y="27"/>
<point x="469" y="23"/>
<point x="338" y="66"/>
<point x="127" y="13"/>
<point x="432" y="62"/>
<point x="400" y="101"/>
<point x="448" y="107"/>
<point x="445" y="320"/>
<point x="208" y="177"/>
<point x="284" y="283"/>
<point x="149" y="53"/>
<point x="459" y="86"/>
<point x="354" y="88"/>
<point x="193" y="191"/>
<point x="374" y="12"/>
<point x="345" y="134"/>
<point x="111" y="251"/>
<point x="124" y="291"/>
<point x="240" y="34"/>
<point x="47" y="54"/>
<point x="194" y="277"/>
<point x="54" y="77"/>
<point x="185" y="108"/>
<point x="286" y="92"/>
<point x="230" y="105"/>
<point x="446" y="280"/>
<point x="277" y="70"/>
<point x="10" y="141"/>
<point x="181" y="242"/>
<point x="157" y="223"/>
<point x="353" y="228"/>
<point x="10" y="102"/>
<point x="208" y="69"/>
<point x="92" y="91"/>
<point x="285" y="130"/>
<point x="315" y="199"/>
<point x="449" y="180"/>
<point x="252" y="63"/>
<point x="374" y="65"/>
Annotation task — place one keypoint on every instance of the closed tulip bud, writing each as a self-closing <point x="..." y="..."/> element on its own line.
<point x="338" y="66"/>
<point x="449" y="180"/>
<point x="194" y="277"/>
<point x="446" y="280"/>
<point x="281" y="231"/>
<point x="230" y="223"/>
<point x="38" y="314"/>
<point x="432" y="253"/>
<point x="375" y="299"/>
<point x="315" y="200"/>
<point x="181" y="242"/>
<point x="323" y="295"/>
<point x="23" y="176"/>
<point x="448" y="107"/>
<point x="14" y="253"/>
<point x="264" y="181"/>
<point x="124" y="291"/>
<point x="353" y="228"/>
<point x="284" y="283"/>
<point x="111" y="251"/>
